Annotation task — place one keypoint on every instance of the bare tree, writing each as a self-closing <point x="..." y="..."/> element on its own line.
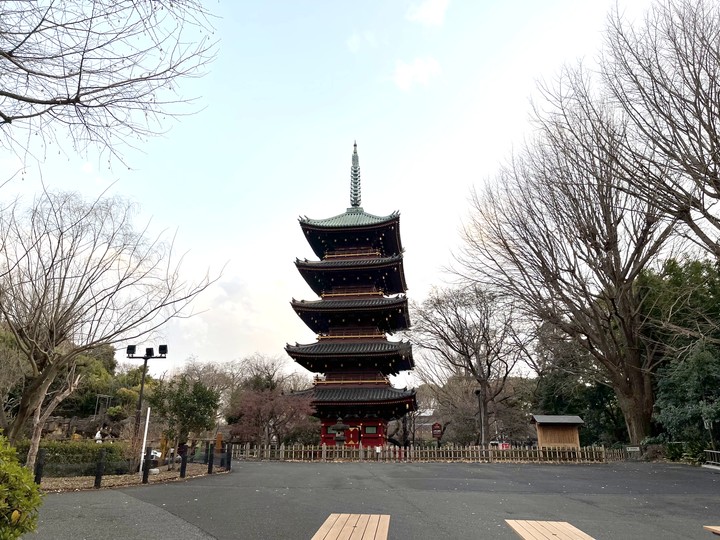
<point x="558" y="232"/>
<point x="664" y="74"/>
<point x="468" y="334"/>
<point x="99" y="72"/>
<point x="77" y="275"/>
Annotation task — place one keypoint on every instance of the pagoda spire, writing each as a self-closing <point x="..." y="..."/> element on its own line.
<point x="355" y="179"/>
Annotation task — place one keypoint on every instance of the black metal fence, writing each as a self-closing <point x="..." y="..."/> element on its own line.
<point x="55" y="465"/>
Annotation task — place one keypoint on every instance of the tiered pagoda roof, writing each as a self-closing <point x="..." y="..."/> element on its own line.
<point x="387" y="314"/>
<point x="340" y="395"/>
<point x="391" y="357"/>
<point x="344" y="231"/>
<point x="385" y="274"/>
<point x="361" y="284"/>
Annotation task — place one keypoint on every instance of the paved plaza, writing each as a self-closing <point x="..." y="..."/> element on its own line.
<point x="275" y="500"/>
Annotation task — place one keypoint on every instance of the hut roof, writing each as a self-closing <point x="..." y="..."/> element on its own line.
<point x="556" y="419"/>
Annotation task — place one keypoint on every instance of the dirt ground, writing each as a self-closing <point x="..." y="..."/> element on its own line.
<point x="79" y="483"/>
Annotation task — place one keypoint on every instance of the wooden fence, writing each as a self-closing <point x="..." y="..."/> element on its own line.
<point x="616" y="454"/>
<point x="477" y="454"/>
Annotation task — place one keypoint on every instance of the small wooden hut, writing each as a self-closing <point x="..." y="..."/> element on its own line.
<point x="557" y="430"/>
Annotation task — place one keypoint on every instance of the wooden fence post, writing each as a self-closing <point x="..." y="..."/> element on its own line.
<point x="211" y="458"/>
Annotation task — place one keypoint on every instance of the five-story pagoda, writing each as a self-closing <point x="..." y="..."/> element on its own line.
<point x="361" y="284"/>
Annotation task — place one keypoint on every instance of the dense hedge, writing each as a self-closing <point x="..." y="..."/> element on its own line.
<point x="19" y="495"/>
<point x="79" y="458"/>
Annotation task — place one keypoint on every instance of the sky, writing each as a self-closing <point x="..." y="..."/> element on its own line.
<point x="436" y="93"/>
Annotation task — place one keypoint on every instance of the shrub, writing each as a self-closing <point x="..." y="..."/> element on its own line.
<point x="19" y="495"/>
<point x="117" y="413"/>
<point x="688" y="451"/>
<point x="78" y="458"/>
<point x="674" y="450"/>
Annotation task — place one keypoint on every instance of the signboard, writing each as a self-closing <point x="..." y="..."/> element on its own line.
<point x="633" y="448"/>
<point x="436" y="430"/>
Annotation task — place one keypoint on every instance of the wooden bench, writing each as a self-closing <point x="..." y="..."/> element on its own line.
<point x="354" y="527"/>
<point x="715" y="529"/>
<point x="543" y="530"/>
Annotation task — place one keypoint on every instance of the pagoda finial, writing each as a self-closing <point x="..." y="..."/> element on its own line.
<point x="355" y="179"/>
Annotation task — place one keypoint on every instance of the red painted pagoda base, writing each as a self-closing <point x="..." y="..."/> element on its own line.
<point x="368" y="431"/>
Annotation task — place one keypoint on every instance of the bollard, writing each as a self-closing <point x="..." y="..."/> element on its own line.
<point x="228" y="456"/>
<point x="39" y="464"/>
<point x="207" y="452"/>
<point x="100" y="469"/>
<point x="211" y="458"/>
<point x="146" y="465"/>
<point x="183" y="465"/>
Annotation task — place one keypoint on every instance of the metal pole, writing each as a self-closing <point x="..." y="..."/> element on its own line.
<point x="211" y="458"/>
<point x="228" y="456"/>
<point x="147" y="423"/>
<point x="138" y="410"/>
<point x="39" y="464"/>
<point x="146" y="465"/>
<point x="100" y="469"/>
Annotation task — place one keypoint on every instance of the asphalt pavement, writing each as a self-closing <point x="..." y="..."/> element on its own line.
<point x="275" y="500"/>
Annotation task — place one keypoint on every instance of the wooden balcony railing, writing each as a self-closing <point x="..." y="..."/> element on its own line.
<point x="355" y="333"/>
<point x="352" y="380"/>
<point x="352" y="253"/>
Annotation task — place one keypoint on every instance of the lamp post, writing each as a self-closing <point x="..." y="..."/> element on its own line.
<point x="149" y="353"/>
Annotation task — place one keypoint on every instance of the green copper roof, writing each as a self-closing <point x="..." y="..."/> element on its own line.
<point x="353" y="217"/>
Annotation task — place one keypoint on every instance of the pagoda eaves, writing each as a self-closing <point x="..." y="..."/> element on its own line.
<point x="322" y="316"/>
<point x="383" y="274"/>
<point x="388" y="357"/>
<point x="355" y="225"/>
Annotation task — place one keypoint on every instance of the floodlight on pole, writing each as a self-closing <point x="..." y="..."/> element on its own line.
<point x="149" y="353"/>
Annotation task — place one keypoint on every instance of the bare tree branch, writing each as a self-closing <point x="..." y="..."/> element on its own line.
<point x="468" y="334"/>
<point x="77" y="275"/>
<point x="100" y="72"/>
<point x="558" y="232"/>
<point x="665" y="76"/>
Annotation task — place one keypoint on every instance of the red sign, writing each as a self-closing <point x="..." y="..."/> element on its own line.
<point x="437" y="430"/>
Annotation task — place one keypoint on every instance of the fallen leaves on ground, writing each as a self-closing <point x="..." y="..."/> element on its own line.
<point x="78" y="483"/>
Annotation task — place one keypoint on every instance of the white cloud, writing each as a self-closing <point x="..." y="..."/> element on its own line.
<point x="419" y="71"/>
<point x="429" y="13"/>
<point x="358" y="40"/>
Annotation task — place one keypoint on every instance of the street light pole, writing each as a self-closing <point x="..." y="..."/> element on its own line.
<point x="149" y="353"/>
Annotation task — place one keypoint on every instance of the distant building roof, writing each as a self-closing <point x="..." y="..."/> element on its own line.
<point x="556" y="419"/>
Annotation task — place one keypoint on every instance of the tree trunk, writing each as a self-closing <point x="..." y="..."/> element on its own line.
<point x="40" y="416"/>
<point x="635" y="399"/>
<point x="32" y="398"/>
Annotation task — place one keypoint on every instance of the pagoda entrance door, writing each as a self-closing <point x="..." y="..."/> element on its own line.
<point x="352" y="436"/>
